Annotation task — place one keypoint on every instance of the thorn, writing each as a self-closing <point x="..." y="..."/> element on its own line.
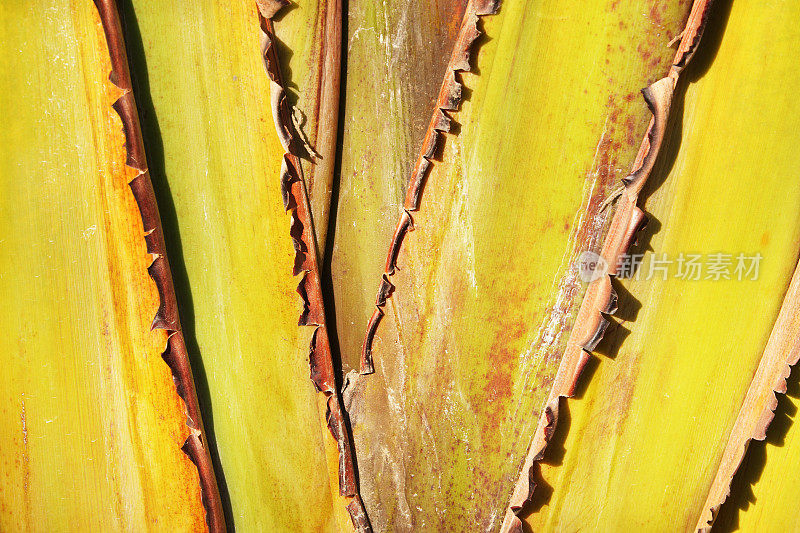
<point x="675" y="40"/>
<point x="615" y="194"/>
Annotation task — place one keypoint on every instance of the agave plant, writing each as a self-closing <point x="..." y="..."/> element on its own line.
<point x="337" y="265"/>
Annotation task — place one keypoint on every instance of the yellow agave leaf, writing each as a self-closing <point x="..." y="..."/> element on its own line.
<point x="247" y="259"/>
<point x="472" y="323"/>
<point x="661" y="427"/>
<point x="396" y="55"/>
<point x="94" y="432"/>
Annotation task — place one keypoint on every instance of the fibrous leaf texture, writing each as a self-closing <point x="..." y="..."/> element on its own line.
<point x="100" y="424"/>
<point x="397" y="54"/>
<point x="465" y="155"/>
<point x="600" y="297"/>
<point x="477" y="304"/>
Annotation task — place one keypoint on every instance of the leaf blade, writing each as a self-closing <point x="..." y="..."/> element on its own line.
<point x="99" y="433"/>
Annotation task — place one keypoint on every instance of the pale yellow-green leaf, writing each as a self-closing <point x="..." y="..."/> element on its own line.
<point x="765" y="492"/>
<point x="91" y="424"/>
<point x="646" y="438"/>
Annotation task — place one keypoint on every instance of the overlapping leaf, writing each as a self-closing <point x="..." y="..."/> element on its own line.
<point x="242" y="276"/>
<point x="396" y="57"/>
<point x="474" y="337"/>
<point x="485" y="289"/>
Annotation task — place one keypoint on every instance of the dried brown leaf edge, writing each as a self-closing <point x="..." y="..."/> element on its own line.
<point x="449" y="99"/>
<point x="306" y="264"/>
<point x="781" y="353"/>
<point x="600" y="298"/>
<point x="175" y="354"/>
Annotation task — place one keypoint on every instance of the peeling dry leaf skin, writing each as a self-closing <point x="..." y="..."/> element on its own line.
<point x="296" y="202"/>
<point x="449" y="100"/>
<point x="249" y="266"/>
<point x="705" y="355"/>
<point x="485" y="287"/>
<point x="309" y="43"/>
<point x="397" y="54"/>
<point x="96" y="427"/>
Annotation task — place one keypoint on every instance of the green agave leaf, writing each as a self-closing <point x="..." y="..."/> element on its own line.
<point x="500" y="140"/>
<point x="770" y="464"/>
<point x="770" y="467"/>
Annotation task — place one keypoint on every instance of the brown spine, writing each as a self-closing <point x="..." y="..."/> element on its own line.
<point x="306" y="264"/>
<point x="175" y="354"/>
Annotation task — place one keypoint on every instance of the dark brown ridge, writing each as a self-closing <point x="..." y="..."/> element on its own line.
<point x="306" y="264"/>
<point x="166" y="317"/>
<point x="449" y="99"/>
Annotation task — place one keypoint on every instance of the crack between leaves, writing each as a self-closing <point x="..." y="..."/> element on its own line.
<point x="306" y="265"/>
